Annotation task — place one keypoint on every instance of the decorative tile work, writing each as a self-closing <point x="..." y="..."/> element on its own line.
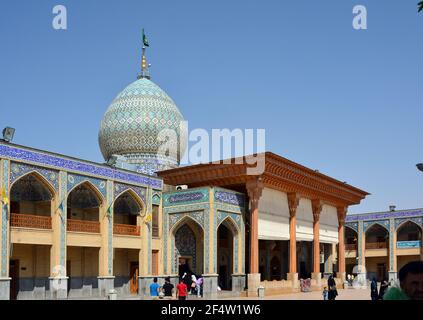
<point x="197" y="216"/>
<point x="416" y="220"/>
<point x="110" y="199"/>
<point x="352" y="225"/>
<point x="5" y="219"/>
<point x="135" y="120"/>
<point x="185" y="197"/>
<point x="61" y="163"/>
<point x="235" y="221"/>
<point x="409" y="244"/>
<point x="75" y="180"/>
<point x="63" y="177"/>
<point x="382" y="223"/>
<point x="17" y="170"/>
<point x="391" y="244"/>
<point x="120" y="188"/>
<point x="236" y="199"/>
<point x="221" y="215"/>
<point x="360" y="243"/>
<point x="186" y="245"/>
<point x="156" y="199"/>
<point x="149" y="228"/>
<point x="384" y="215"/>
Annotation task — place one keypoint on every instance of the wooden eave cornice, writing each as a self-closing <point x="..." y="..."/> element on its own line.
<point x="280" y="174"/>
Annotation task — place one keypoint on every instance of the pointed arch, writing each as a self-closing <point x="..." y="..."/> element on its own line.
<point x="135" y="197"/>
<point x="351" y="228"/>
<point x="182" y="221"/>
<point x="90" y="186"/>
<point x="42" y="180"/>
<point x="230" y="223"/>
<point x="408" y="221"/>
<point x="372" y="225"/>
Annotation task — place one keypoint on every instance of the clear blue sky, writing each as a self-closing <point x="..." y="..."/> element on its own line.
<point x="346" y="102"/>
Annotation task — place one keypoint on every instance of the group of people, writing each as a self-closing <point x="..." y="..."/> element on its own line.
<point x="374" y="293"/>
<point x="188" y="284"/>
<point x="330" y="292"/>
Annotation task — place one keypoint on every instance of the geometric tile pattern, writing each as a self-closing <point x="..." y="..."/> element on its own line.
<point x="416" y="220"/>
<point x="135" y="119"/>
<point x="67" y="164"/>
<point x="120" y="188"/>
<point x="383" y="223"/>
<point x="75" y="180"/>
<point x="5" y="221"/>
<point x="17" y="170"/>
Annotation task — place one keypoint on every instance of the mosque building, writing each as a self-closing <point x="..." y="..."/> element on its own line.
<point x="72" y="228"/>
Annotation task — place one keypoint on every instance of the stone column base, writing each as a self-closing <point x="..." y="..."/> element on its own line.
<point x="393" y="276"/>
<point x="238" y="282"/>
<point x="58" y="288"/>
<point x="360" y="282"/>
<point x="294" y="278"/>
<point x="253" y="284"/>
<point x="210" y="286"/>
<point x="5" y="288"/>
<point x="316" y="281"/>
<point x="144" y="283"/>
<point x="105" y="284"/>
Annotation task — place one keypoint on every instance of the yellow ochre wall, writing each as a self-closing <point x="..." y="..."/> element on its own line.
<point x="34" y="260"/>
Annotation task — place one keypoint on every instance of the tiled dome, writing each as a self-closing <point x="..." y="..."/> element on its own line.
<point x="132" y="123"/>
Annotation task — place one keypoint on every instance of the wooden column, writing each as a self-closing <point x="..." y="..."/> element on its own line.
<point x="317" y="209"/>
<point x="293" y="202"/>
<point x="254" y="189"/>
<point x="342" y="212"/>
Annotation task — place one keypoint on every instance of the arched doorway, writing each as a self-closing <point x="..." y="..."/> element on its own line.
<point x="225" y="256"/>
<point x="377" y="242"/>
<point x="31" y="205"/>
<point x="351" y="238"/>
<point x="126" y="222"/>
<point x="84" y="204"/>
<point x="126" y="211"/>
<point x="409" y="243"/>
<point x="188" y="237"/>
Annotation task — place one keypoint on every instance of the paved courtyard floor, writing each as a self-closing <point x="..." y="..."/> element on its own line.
<point x="348" y="294"/>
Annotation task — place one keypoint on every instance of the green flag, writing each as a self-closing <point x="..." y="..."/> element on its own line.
<point x="144" y="39"/>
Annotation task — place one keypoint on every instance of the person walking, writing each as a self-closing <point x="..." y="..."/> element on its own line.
<point x="325" y="293"/>
<point x="383" y="288"/>
<point x="333" y="293"/>
<point x="154" y="289"/>
<point x="373" y="290"/>
<point x="193" y="284"/>
<point x="168" y="289"/>
<point x="181" y="290"/>
<point x="198" y="286"/>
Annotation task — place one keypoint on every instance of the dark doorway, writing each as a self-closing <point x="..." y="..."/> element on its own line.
<point x="133" y="273"/>
<point x="14" y="283"/>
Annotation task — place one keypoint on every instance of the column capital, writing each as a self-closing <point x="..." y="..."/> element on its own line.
<point x="342" y="213"/>
<point x="255" y="189"/>
<point x="317" y="206"/>
<point x="293" y="203"/>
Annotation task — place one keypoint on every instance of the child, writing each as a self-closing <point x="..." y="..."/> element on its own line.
<point x="325" y="293"/>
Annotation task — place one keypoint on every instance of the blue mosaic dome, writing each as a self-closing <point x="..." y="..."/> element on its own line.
<point x="132" y="123"/>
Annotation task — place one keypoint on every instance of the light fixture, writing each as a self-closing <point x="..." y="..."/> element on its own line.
<point x="112" y="160"/>
<point x="420" y="166"/>
<point x="8" y="134"/>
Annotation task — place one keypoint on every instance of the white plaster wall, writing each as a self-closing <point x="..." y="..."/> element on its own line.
<point x="273" y="221"/>
<point x="304" y="220"/>
<point x="328" y="224"/>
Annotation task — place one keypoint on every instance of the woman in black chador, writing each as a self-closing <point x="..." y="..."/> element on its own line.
<point x="332" y="288"/>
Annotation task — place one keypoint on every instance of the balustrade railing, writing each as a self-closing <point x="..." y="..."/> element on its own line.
<point x="350" y="246"/>
<point x="83" y="226"/>
<point x="376" y="245"/>
<point x="30" y="221"/>
<point x="125" y="229"/>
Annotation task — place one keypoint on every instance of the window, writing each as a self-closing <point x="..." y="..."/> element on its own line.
<point x="155" y="221"/>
